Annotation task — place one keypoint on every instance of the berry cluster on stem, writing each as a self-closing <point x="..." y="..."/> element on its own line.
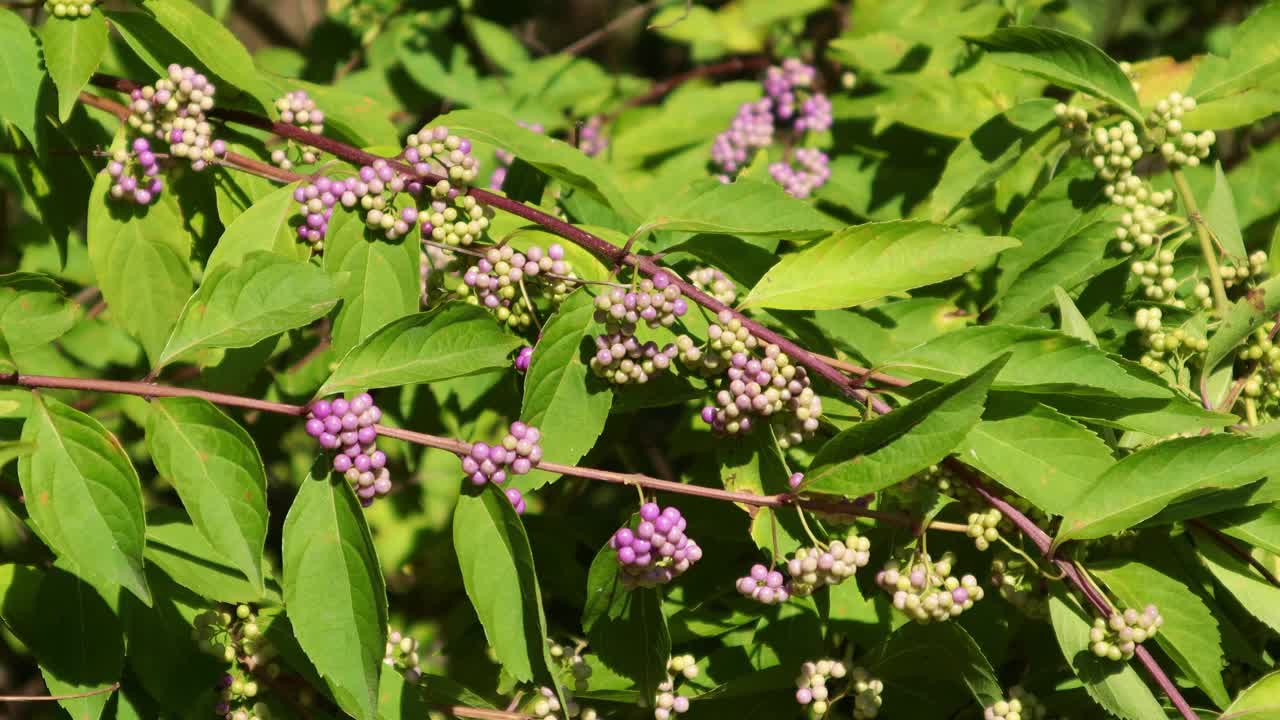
<point x="518" y="453"/>
<point x="667" y="703"/>
<point x="657" y="550"/>
<point x="349" y="428"/>
<point x="926" y="590"/>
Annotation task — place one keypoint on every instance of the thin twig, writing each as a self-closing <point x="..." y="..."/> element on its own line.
<point x="588" y="41"/>
<point x="1230" y="546"/>
<point x="71" y="696"/>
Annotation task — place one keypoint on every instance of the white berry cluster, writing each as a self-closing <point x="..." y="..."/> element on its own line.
<point x="436" y="150"/>
<point x="926" y="590"/>
<point x="235" y="638"/>
<point x="1117" y="637"/>
<point x="402" y="654"/>
<point x="866" y="691"/>
<point x="174" y="110"/>
<point x="572" y="660"/>
<point x="1144" y="213"/>
<point x="1020" y="584"/>
<point x="933" y="479"/>
<point x="1177" y="145"/>
<point x="1262" y="350"/>
<point x="1160" y="342"/>
<point x="1234" y="273"/>
<point x="984" y="528"/>
<point x="1021" y="705"/>
<point x="545" y="705"/>
<point x="452" y="218"/>
<point x="1156" y="275"/>
<point x="716" y="283"/>
<point x="298" y="108"/>
<point x="811" y="684"/>
<point x="667" y="704"/>
<point x="70" y="10"/>
<point x="813" y="568"/>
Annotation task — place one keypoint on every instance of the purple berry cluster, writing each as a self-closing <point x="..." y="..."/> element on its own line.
<point x="657" y="551"/>
<point x="299" y="109"/>
<point x="376" y="189"/>
<point x="523" y="359"/>
<point x="771" y="387"/>
<point x="1118" y="636"/>
<point x="711" y="280"/>
<point x="505" y="157"/>
<point x="591" y="139"/>
<point x="622" y="359"/>
<point x="496" y="279"/>
<point x="810" y="172"/>
<point x="134" y="176"/>
<point x="814" y="568"/>
<point x="811" y="685"/>
<point x="666" y="703"/>
<point x="751" y="130"/>
<point x="174" y="111"/>
<point x="658" y="302"/>
<point x="435" y="150"/>
<point x="349" y="427"/>
<point x="927" y="591"/>
<point x="318" y="199"/>
<point x="790" y="83"/>
<point x="764" y="586"/>
<point x="518" y="453"/>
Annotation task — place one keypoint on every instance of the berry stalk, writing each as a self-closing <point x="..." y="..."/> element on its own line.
<point x="1220" y="302"/>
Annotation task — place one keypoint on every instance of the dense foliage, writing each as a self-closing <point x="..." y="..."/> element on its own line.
<point x="762" y="358"/>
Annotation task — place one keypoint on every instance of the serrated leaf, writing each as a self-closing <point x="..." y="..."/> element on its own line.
<point x="217" y="48"/>
<point x="20" y="74"/>
<point x="553" y="157"/>
<point x="1035" y="451"/>
<point x="33" y="310"/>
<point x="561" y="397"/>
<point x="140" y="258"/>
<point x="73" y="50"/>
<point x="215" y="467"/>
<point x="264" y="226"/>
<point x="1115" y="686"/>
<point x="743" y="208"/>
<point x="867" y="262"/>
<point x="451" y="341"/>
<point x="1077" y="259"/>
<point x="1259" y="701"/>
<point x="1221" y="217"/>
<point x="180" y="550"/>
<point x="1256" y="307"/>
<point x="873" y="455"/>
<point x="1042" y="361"/>
<point x="1190" y="634"/>
<point x="70" y="629"/>
<point x="635" y="642"/>
<point x="987" y="153"/>
<point x="1064" y="60"/>
<point x="498" y="573"/>
<point x="237" y="307"/>
<point x="1143" y="483"/>
<point x="381" y="281"/>
<point x="942" y="652"/>
<point x="84" y="497"/>
<point x="150" y="41"/>
<point x="1253" y="65"/>
<point x="1071" y="320"/>
<point x="334" y="591"/>
<point x="1256" y="595"/>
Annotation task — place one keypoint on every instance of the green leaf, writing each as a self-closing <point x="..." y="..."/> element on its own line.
<point x="1221" y="217"/>
<point x="1064" y="60"/>
<point x="743" y="208"/>
<point x="497" y="43"/>
<point x="1080" y="257"/>
<point x="873" y="455"/>
<point x="214" y="465"/>
<point x="451" y="341"/>
<point x="498" y="573"/>
<point x="264" y="226"/>
<point x="140" y="258"/>
<point x="690" y="115"/>
<point x="1042" y="361"/>
<point x="635" y="642"/>
<point x="1260" y="528"/>
<point x="867" y="262"/>
<point x="1143" y="483"/>
<point x="605" y="593"/>
<point x="1259" y="597"/>
<point x="162" y="654"/>
<point x="20" y="74"/>
<point x="1114" y="685"/>
<point x="179" y="549"/>
<point x="1253" y="66"/>
<point x="987" y="153"/>
<point x="1035" y="451"/>
<point x="561" y="397"/>
<point x="935" y="653"/>
<point x="84" y="497"/>
<point x="150" y="41"/>
<point x="1190" y="634"/>
<point x="381" y="281"/>
<point x="553" y="157"/>
<point x="237" y="307"/>
<point x="334" y="591"/>
<point x="1259" y="701"/>
<point x="217" y="48"/>
<point x="33" y="310"/>
<point x="70" y="629"/>
<point x="1072" y="322"/>
<point x="1242" y="318"/>
<point x="73" y="49"/>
